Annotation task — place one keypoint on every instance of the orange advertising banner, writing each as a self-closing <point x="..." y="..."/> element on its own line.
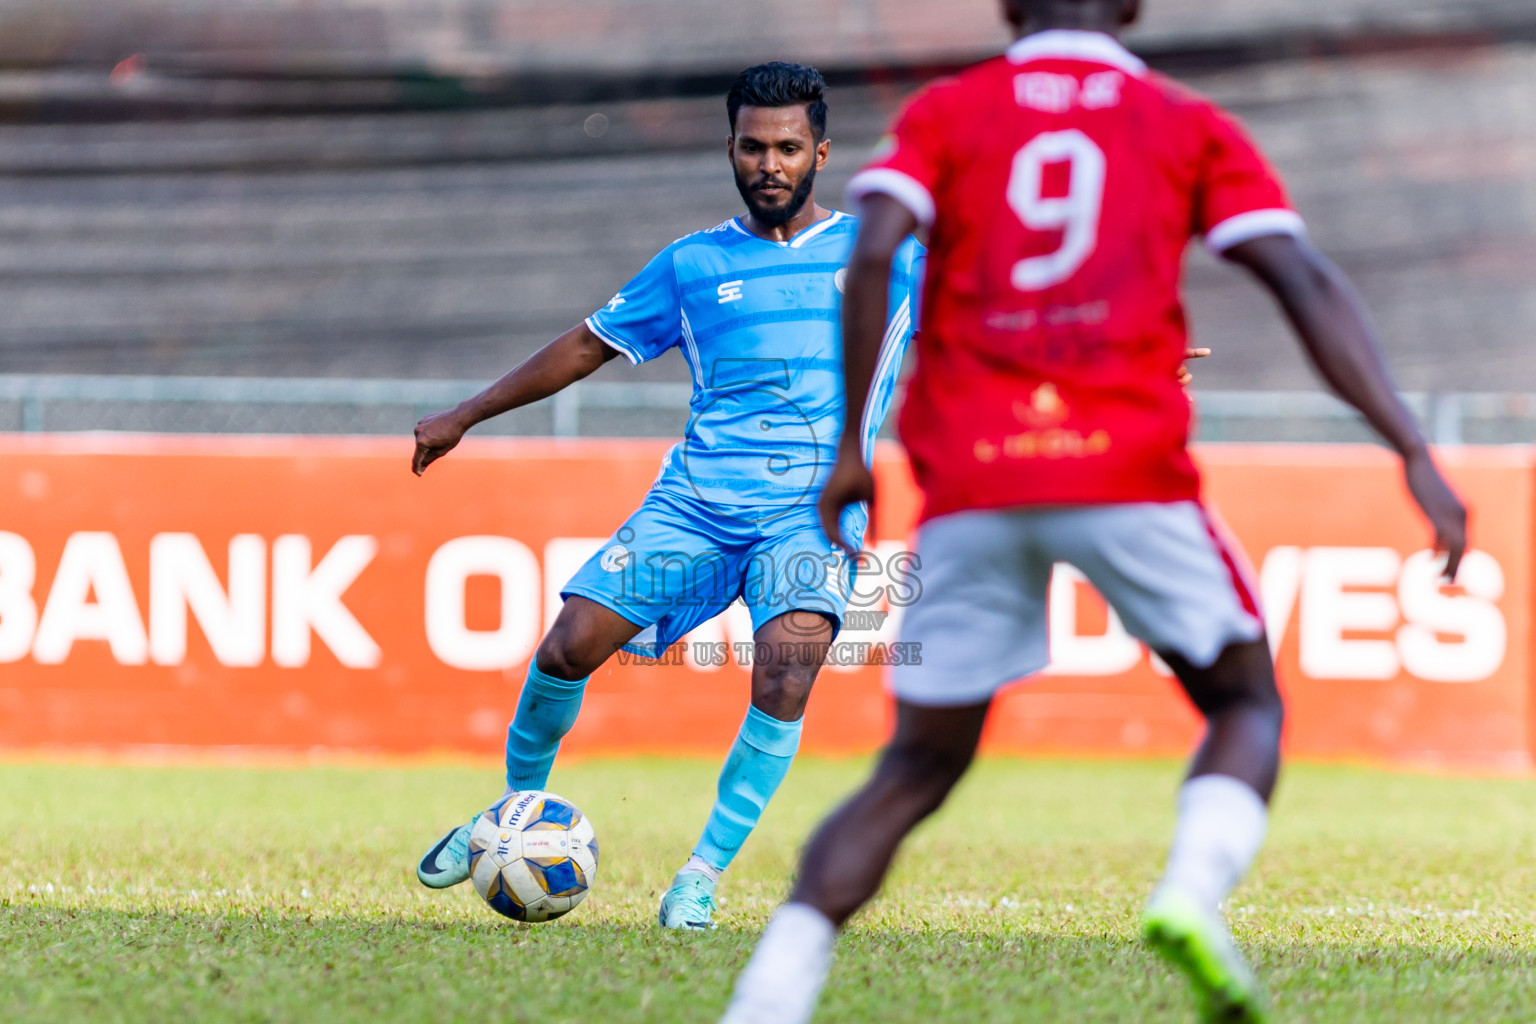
<point x="299" y="593"/>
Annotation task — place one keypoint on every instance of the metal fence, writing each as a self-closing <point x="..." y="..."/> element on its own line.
<point x="278" y="405"/>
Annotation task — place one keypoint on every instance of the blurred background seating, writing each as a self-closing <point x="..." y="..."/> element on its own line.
<point x="417" y="189"/>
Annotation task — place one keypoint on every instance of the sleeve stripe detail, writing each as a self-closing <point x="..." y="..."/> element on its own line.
<point x="1245" y="227"/>
<point x="903" y="188"/>
<point x="894" y="342"/>
<point x="625" y="349"/>
<point x="691" y="352"/>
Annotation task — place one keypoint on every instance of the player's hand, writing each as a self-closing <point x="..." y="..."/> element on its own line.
<point x="436" y="436"/>
<point x="1185" y="377"/>
<point x="1445" y="512"/>
<point x="850" y="482"/>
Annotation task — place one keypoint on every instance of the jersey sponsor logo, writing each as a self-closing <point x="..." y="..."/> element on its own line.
<point x="1044" y="413"/>
<point x="1045" y="408"/>
<point x="615" y="559"/>
<point x="730" y="291"/>
<point x="1052" y="93"/>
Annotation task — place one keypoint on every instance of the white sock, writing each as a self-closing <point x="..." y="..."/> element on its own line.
<point x="1221" y="826"/>
<point x="698" y="865"/>
<point x="783" y="979"/>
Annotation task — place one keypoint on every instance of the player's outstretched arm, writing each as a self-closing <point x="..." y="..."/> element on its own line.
<point x="556" y="366"/>
<point x="1338" y="336"/>
<point x="884" y="225"/>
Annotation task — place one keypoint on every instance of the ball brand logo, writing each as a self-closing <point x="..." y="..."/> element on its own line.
<point x="521" y="806"/>
<point x="730" y="291"/>
<point x="506" y="837"/>
<point x="615" y="559"/>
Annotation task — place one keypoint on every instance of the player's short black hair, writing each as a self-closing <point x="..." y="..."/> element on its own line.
<point x="780" y="84"/>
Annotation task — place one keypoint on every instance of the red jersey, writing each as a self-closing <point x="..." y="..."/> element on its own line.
<point x="1061" y="184"/>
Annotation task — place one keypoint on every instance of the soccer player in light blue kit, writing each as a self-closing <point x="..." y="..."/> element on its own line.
<point x="754" y="305"/>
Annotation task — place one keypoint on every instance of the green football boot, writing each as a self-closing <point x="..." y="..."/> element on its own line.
<point x="447" y="863"/>
<point x="690" y="903"/>
<point x="1197" y="943"/>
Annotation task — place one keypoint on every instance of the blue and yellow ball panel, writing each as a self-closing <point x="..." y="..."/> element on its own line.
<point x="506" y="906"/>
<point x="555" y="814"/>
<point x="502" y="900"/>
<point x="494" y="811"/>
<point x="562" y="878"/>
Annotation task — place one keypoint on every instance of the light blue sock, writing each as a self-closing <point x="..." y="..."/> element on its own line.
<point x="545" y="713"/>
<point x="759" y="759"/>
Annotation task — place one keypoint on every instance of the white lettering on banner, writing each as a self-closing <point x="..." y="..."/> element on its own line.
<point x="730" y="627"/>
<point x="1432" y="613"/>
<point x="562" y="557"/>
<point x="91" y="563"/>
<point x="449" y="636"/>
<point x="1072" y="654"/>
<point x="18" y="610"/>
<point x="305" y="600"/>
<point x="181" y="579"/>
<point x="1340" y="596"/>
<point x="1445" y="637"/>
<point x="1328" y="611"/>
<point x="1279" y="583"/>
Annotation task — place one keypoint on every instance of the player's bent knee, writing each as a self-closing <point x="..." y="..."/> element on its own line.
<point x="562" y="656"/>
<point x="781" y="689"/>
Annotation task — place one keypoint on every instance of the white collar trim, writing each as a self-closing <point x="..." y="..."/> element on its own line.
<point x="805" y="235"/>
<point x="815" y="229"/>
<point x="1072" y="44"/>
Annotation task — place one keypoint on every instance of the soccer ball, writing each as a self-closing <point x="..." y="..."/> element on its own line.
<point x="532" y="856"/>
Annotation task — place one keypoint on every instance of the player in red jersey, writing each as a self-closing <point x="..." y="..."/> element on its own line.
<point x="1060" y="185"/>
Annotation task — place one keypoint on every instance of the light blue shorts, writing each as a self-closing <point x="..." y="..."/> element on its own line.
<point x="679" y="562"/>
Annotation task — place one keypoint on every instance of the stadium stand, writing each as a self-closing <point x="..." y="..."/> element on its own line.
<point x="196" y="218"/>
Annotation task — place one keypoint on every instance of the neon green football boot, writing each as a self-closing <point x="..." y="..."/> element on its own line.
<point x="689" y="904"/>
<point x="1198" y="944"/>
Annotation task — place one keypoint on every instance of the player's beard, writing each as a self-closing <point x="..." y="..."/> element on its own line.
<point x="777" y="216"/>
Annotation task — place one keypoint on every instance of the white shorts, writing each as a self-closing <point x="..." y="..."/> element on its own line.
<point x="1176" y="582"/>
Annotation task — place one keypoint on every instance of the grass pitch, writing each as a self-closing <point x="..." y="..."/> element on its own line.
<point x="193" y="893"/>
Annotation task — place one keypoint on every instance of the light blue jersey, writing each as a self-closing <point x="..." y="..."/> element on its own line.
<point x="759" y="324"/>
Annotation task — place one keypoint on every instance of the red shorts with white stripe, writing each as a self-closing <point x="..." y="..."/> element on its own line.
<point x="1168" y="570"/>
